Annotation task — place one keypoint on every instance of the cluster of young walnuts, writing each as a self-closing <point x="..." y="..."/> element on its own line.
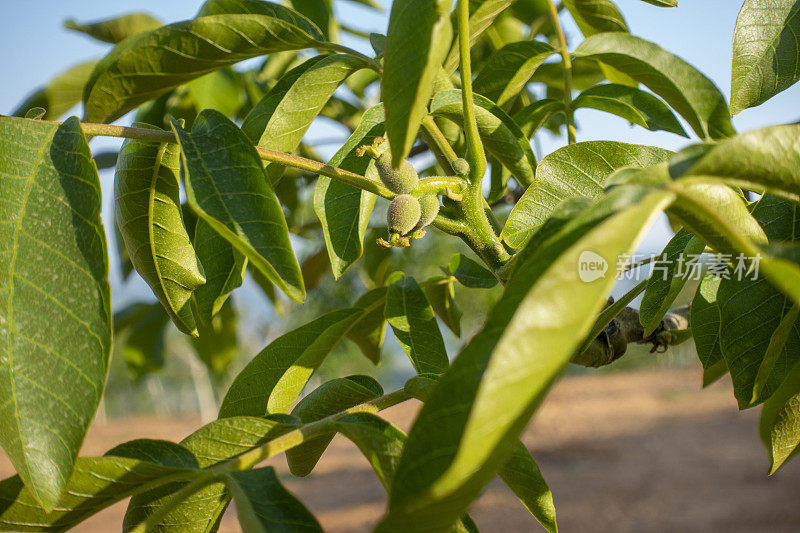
<point x="410" y="211"/>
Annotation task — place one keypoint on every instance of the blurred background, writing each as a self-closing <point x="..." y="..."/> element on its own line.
<point x="593" y="426"/>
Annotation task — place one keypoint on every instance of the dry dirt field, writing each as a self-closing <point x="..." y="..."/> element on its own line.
<point x="624" y="452"/>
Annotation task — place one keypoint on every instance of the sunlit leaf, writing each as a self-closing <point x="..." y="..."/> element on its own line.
<point x="55" y="306"/>
<point x="766" y="51"/>
<point x="274" y="378"/>
<point x="416" y="43"/>
<point x="147" y="209"/>
<point x="509" y="69"/>
<point x="226" y="185"/>
<point x="577" y="170"/>
<point x="61" y="94"/>
<point x="779" y="425"/>
<point x="116" y="29"/>
<point x="683" y="87"/>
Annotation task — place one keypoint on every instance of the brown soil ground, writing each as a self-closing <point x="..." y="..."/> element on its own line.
<point x="624" y="452"/>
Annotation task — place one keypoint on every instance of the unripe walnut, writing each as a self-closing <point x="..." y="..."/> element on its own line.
<point x="403" y="180"/>
<point x="403" y="214"/>
<point x="460" y="166"/>
<point x="429" y="208"/>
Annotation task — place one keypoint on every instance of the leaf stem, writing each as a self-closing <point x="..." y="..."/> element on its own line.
<point x="280" y="158"/>
<point x="252" y="457"/>
<point x="372" y="62"/>
<point x="438" y="144"/>
<point x="475" y="154"/>
<point x="567" y="67"/>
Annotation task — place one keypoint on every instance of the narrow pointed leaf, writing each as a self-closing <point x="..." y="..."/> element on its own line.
<point x="662" y="3"/>
<point x="369" y="330"/>
<point x="768" y="157"/>
<point x="331" y="397"/>
<point x="464" y="432"/>
<point x="271" y="382"/>
<point x="441" y="294"/>
<point x="224" y="268"/>
<point x="480" y="19"/>
<point x="54" y="300"/>
<point x="779" y="425"/>
<point x="344" y="210"/>
<point x="523" y="477"/>
<point x="746" y="330"/>
<point x="416" y="43"/>
<point x="147" y="209"/>
<point x="264" y="505"/>
<point x="501" y="136"/>
<point x="596" y="16"/>
<point x="149" y="64"/>
<point x="577" y="170"/>
<point x="705" y="322"/>
<point x="666" y="282"/>
<point x="61" y="94"/>
<point x="532" y="117"/>
<point x="227" y="187"/>
<point x="95" y="484"/>
<point x="683" y="87"/>
<point x="509" y="69"/>
<point x="634" y="105"/>
<point x="469" y="273"/>
<point x="116" y="29"/>
<point x="281" y="118"/>
<point x="213" y="443"/>
<point x="766" y="51"/>
<point x="217" y="343"/>
<point x="414" y="324"/>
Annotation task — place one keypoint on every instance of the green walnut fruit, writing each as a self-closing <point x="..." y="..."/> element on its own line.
<point x="429" y="208"/>
<point x="403" y="214"/>
<point x="460" y="166"/>
<point x="403" y="180"/>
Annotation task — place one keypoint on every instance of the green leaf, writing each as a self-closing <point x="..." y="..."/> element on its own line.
<point x="320" y="12"/>
<point x="469" y="273"/>
<point x="705" y="321"/>
<point x="148" y="65"/>
<point x="747" y="329"/>
<point x="766" y="52"/>
<point x="143" y="337"/>
<point x="416" y="43"/>
<point x="683" y="87"/>
<point x="116" y="29"/>
<point x="147" y="208"/>
<point x="779" y="425"/>
<point x="226" y="186"/>
<point x="414" y="324"/>
<point x="577" y="170"/>
<point x="218" y="90"/>
<point x="217" y="345"/>
<point x="271" y="382"/>
<point x="509" y="69"/>
<point x="264" y="505"/>
<point x="768" y="157"/>
<point x="382" y="444"/>
<point x="280" y="119"/>
<point x="663" y="3"/>
<point x="634" y="105"/>
<point x="95" y="484"/>
<point x="441" y="294"/>
<point x="666" y="280"/>
<point x="213" y="443"/>
<point x="61" y="94"/>
<point x="55" y="304"/>
<point x="343" y="209"/>
<point x="464" y="432"/>
<point x="500" y="134"/>
<point x="480" y="19"/>
<point x="328" y="399"/>
<point x="224" y="268"/>
<point x="523" y="477"/>
<point x="535" y="115"/>
<point x="369" y="330"/>
<point x="596" y="16"/>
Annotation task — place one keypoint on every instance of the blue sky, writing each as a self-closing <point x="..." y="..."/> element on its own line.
<point x="700" y="31"/>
